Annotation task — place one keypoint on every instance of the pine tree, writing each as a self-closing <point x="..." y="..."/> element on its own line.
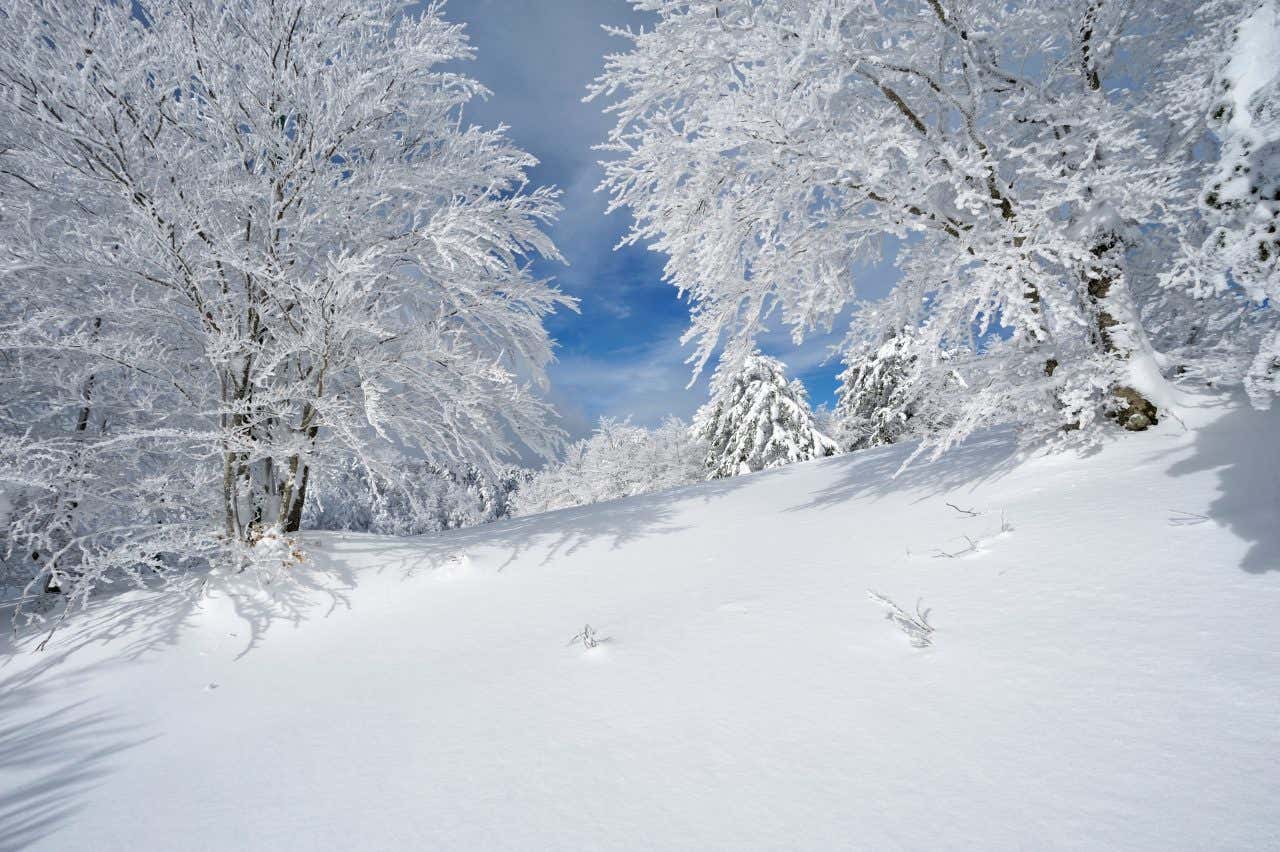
<point x="757" y="420"/>
<point x="876" y="403"/>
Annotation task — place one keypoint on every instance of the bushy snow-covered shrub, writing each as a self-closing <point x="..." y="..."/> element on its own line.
<point x="618" y="460"/>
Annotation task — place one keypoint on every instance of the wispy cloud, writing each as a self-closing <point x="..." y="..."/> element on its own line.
<point x="621" y="356"/>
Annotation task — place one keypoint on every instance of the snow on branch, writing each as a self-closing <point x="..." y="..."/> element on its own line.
<point x="917" y="627"/>
<point x="589" y="638"/>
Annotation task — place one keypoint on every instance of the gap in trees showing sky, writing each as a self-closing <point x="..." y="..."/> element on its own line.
<point x="621" y="357"/>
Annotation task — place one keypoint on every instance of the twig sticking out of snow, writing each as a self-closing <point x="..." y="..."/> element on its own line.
<point x="917" y="627"/>
<point x="1187" y="519"/>
<point x="968" y="512"/>
<point x="589" y="638"/>
<point x="972" y="548"/>
<point x="973" y="543"/>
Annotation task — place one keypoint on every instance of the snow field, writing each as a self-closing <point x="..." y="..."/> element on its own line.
<point x="1103" y="674"/>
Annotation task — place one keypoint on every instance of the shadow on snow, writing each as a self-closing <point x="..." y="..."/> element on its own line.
<point x="1243" y="447"/>
<point x="56" y="757"/>
<point x="876" y="472"/>
<point x="59" y="756"/>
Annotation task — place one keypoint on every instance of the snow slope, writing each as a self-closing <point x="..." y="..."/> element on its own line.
<point x="1106" y="674"/>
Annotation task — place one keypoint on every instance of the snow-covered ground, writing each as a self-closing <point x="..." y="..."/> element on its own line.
<point x="1105" y="672"/>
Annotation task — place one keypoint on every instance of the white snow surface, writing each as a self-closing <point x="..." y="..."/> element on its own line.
<point x="1104" y="674"/>
<point x="1253" y="63"/>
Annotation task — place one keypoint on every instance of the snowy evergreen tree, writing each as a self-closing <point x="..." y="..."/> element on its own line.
<point x="1244" y="190"/>
<point x="876" y="398"/>
<point x="895" y="389"/>
<point x="757" y="419"/>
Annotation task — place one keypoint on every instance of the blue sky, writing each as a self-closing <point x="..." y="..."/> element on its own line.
<point x="621" y="356"/>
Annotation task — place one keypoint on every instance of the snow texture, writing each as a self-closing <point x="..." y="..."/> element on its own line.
<point x="1103" y="672"/>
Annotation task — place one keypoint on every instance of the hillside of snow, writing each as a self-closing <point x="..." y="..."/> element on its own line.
<point x="1104" y="671"/>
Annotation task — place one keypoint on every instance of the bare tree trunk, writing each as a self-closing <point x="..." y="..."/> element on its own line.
<point x="287" y="491"/>
<point x="67" y="518"/>
<point x="294" y="522"/>
<point x="294" y="492"/>
<point x="235" y="470"/>
<point x="229" y="494"/>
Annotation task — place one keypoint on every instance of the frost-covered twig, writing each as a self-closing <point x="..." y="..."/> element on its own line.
<point x="917" y="627"/>
<point x="588" y="637"/>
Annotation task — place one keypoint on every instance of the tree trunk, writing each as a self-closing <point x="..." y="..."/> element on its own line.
<point x="295" y="490"/>
<point x="294" y="522"/>
<point x="67" y="519"/>
<point x="1115" y="333"/>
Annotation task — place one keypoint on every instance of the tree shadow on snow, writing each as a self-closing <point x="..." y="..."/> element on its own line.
<point x="49" y="759"/>
<point x="554" y="535"/>
<point x="137" y="621"/>
<point x="1243" y="447"/>
<point x="875" y="472"/>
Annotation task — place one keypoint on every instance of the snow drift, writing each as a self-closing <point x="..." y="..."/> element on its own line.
<point x="1101" y="671"/>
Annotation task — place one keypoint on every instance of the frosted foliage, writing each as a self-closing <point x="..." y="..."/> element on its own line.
<point x="619" y="460"/>
<point x="420" y="499"/>
<point x="757" y="419"/>
<point x="1243" y="194"/>
<point x="247" y="247"/>
<point x="875" y="405"/>
<point x="1019" y="155"/>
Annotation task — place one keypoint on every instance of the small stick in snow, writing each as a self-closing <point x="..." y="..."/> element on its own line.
<point x="589" y="638"/>
<point x="1187" y="519"/>
<point x="968" y="512"/>
<point x="972" y="548"/>
<point x="917" y="627"/>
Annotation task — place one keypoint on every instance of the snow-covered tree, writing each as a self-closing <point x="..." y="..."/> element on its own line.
<point x="242" y="243"/>
<point x="1017" y="153"/>
<point x="878" y="395"/>
<point x="618" y="460"/>
<point x="1241" y="196"/>
<point x="757" y="419"/>
<point x="423" y="499"/>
